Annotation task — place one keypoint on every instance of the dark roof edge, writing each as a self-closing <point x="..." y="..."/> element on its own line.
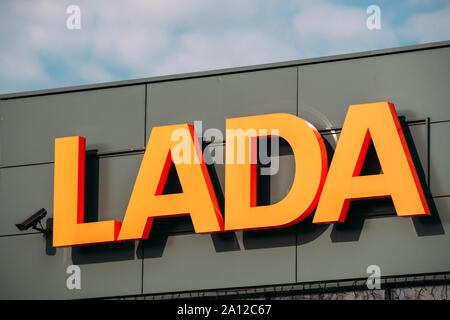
<point x="218" y="72"/>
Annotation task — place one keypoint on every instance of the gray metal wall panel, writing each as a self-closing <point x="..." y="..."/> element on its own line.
<point x="389" y="242"/>
<point x="28" y="272"/>
<point x="440" y="158"/>
<point x="116" y="180"/>
<point x="416" y="82"/>
<point x="23" y="191"/>
<point x="110" y="119"/>
<point x="36" y="270"/>
<point x="191" y="262"/>
<point x="214" y="99"/>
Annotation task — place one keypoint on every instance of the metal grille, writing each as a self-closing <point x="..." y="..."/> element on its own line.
<point x="414" y="287"/>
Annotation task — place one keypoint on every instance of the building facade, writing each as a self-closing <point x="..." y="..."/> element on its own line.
<point x="301" y="261"/>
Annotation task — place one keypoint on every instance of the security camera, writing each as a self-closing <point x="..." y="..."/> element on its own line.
<point x="32" y="222"/>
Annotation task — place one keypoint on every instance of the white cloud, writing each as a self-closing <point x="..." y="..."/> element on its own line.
<point x="93" y="73"/>
<point x="333" y="29"/>
<point x="424" y="3"/>
<point x="428" y="27"/>
<point x="327" y="20"/>
<point x="21" y="70"/>
<point x="232" y="49"/>
<point x="141" y="38"/>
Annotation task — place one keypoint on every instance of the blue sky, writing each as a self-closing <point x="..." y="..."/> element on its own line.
<point x="130" y="39"/>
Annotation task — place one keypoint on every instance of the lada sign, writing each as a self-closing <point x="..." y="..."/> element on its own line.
<point x="315" y="186"/>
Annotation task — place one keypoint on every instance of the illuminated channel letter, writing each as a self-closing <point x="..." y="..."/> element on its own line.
<point x="379" y="122"/>
<point x="69" y="228"/>
<point x="197" y="199"/>
<point x="240" y="176"/>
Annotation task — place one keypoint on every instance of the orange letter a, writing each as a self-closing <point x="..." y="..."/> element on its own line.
<point x="197" y="199"/>
<point x="399" y="180"/>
